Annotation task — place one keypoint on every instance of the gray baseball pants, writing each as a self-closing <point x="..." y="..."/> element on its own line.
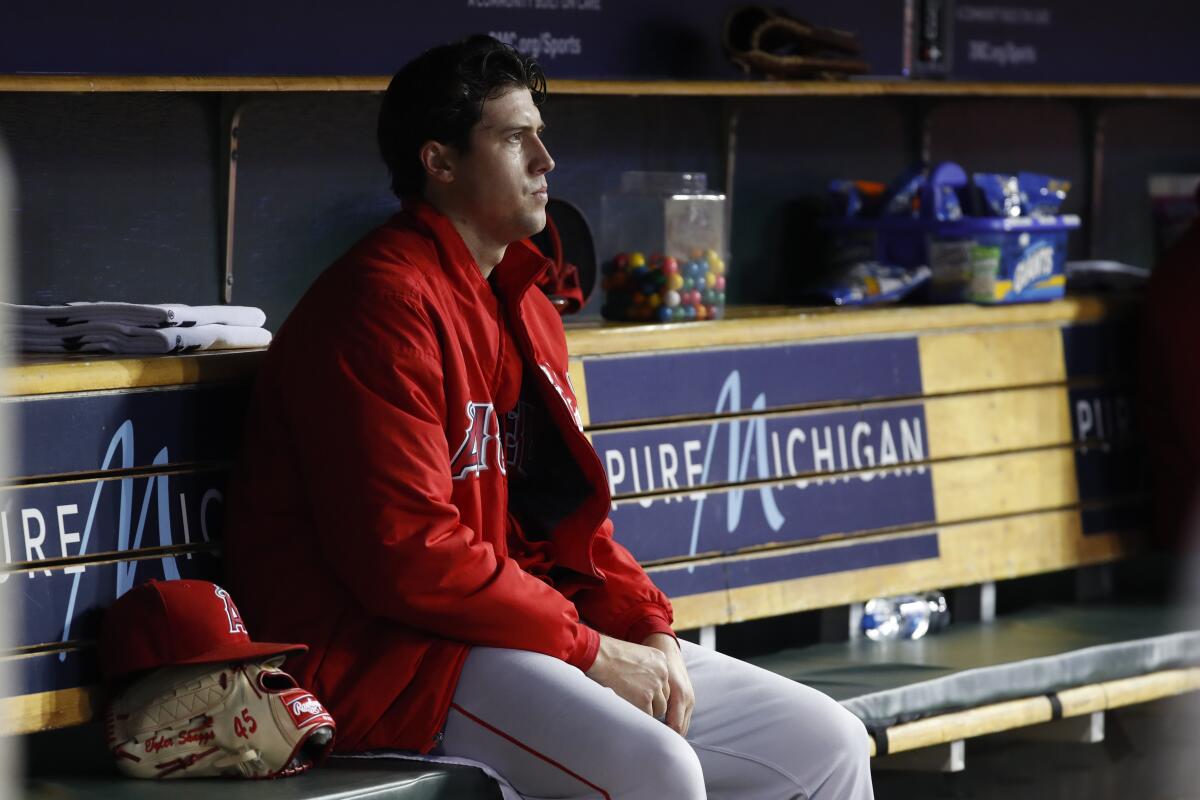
<point x="552" y="732"/>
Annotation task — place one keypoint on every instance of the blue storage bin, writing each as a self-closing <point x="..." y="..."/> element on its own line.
<point x="973" y="259"/>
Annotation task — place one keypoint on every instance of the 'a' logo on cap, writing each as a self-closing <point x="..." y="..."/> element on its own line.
<point x="235" y="619"/>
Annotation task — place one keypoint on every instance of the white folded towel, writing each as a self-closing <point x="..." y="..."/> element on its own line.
<point x="156" y="315"/>
<point x="98" y="337"/>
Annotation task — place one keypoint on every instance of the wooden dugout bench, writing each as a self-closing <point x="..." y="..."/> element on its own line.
<point x="778" y="462"/>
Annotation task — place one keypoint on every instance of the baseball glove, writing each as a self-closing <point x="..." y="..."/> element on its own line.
<point x="770" y="42"/>
<point x="236" y="720"/>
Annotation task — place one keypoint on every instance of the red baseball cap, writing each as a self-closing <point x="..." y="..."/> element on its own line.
<point x="162" y="623"/>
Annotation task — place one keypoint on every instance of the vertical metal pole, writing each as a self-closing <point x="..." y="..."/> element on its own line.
<point x="731" y="115"/>
<point x="987" y="601"/>
<point x="924" y="138"/>
<point x="854" y="621"/>
<point x="1095" y="119"/>
<point x="231" y="117"/>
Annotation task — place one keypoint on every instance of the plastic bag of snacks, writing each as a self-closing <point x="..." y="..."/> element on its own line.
<point x="869" y="283"/>
<point x="993" y="238"/>
<point x="665" y="236"/>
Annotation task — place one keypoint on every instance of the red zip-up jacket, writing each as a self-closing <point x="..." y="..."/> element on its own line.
<point x="369" y="517"/>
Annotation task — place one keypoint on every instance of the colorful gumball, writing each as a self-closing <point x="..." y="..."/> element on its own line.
<point x="648" y="286"/>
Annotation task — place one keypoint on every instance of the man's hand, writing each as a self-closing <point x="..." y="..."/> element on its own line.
<point x="635" y="672"/>
<point x="681" y="699"/>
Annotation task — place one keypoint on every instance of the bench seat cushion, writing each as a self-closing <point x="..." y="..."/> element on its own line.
<point x="73" y="763"/>
<point x="400" y="780"/>
<point x="1033" y="652"/>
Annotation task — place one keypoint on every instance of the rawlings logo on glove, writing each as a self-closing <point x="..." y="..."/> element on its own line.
<point x="236" y="720"/>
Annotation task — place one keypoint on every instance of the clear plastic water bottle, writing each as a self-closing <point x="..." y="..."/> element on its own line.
<point x="905" y="617"/>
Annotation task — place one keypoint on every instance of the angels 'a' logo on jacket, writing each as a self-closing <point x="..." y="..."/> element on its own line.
<point x="483" y="429"/>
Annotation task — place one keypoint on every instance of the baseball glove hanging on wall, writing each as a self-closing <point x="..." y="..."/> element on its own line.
<point x="770" y="42"/>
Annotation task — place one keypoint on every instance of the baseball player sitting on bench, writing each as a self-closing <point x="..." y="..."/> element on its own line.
<point x="417" y="501"/>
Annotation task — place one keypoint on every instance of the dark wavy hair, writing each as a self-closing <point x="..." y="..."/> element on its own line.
<point x="439" y="96"/>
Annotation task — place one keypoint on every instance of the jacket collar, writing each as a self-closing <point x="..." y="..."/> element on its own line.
<point x="516" y="272"/>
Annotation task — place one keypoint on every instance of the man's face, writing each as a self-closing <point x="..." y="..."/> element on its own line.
<point x="500" y="182"/>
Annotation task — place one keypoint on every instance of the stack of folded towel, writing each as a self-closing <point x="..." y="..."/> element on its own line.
<point x="133" y="328"/>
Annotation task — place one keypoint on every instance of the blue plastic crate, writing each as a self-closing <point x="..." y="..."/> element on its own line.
<point x="974" y="259"/>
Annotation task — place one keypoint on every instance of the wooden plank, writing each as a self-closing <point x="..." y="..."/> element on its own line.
<point x="752" y="449"/>
<point x="48" y="375"/>
<point x="60" y="605"/>
<point x="1006" y="484"/>
<point x="856" y="87"/>
<point x="1037" y="710"/>
<point x="72" y="547"/>
<point x="642" y="459"/>
<point x="807" y="324"/>
<point x="968" y="724"/>
<point x="1083" y="700"/>
<point x="619" y="88"/>
<point x="704" y="383"/>
<point x="720" y="381"/>
<point x="99" y="431"/>
<point x="960" y="362"/>
<point x="1165" y="684"/>
<point x="48" y="710"/>
<point x="54" y="521"/>
<point x="689" y="523"/>
<point x="193" y="83"/>
<point x="87" y="374"/>
<point x="992" y="422"/>
<point x="967" y="553"/>
<point x="824" y="560"/>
